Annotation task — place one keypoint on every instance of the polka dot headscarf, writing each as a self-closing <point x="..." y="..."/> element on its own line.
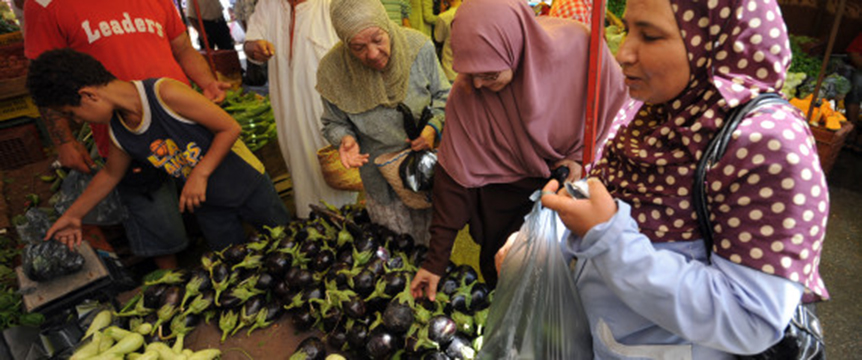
<point x="767" y="196"/>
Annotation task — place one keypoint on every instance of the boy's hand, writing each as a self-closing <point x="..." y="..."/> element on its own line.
<point x="66" y="230"/>
<point x="194" y="193"/>
<point x="74" y="155"/>
<point x="349" y="153"/>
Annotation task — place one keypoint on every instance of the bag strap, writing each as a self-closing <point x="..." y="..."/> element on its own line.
<point x="413" y="129"/>
<point x="713" y="153"/>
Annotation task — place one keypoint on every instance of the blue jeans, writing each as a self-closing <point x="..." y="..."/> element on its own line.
<point x="154" y="226"/>
<point x="222" y="225"/>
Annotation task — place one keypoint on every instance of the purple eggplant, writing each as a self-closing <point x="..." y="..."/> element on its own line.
<point x="354" y="307"/>
<point x="323" y="261"/>
<point x="229" y="301"/>
<point x="331" y="318"/>
<point x="302" y="318"/>
<point x="459" y="348"/>
<point x="299" y="278"/>
<point x="436" y="355"/>
<point x="441" y="329"/>
<point x="449" y="285"/>
<point x="153" y="296"/>
<point x="281" y="289"/>
<point x="345" y="256"/>
<point x="376" y="266"/>
<point x="395" y="283"/>
<point x="398" y="317"/>
<point x="357" y="335"/>
<point x="338" y="274"/>
<point x="277" y="263"/>
<point x="381" y="345"/>
<point x="311" y="348"/>
<point x="364" y="283"/>
<point x="480" y="297"/>
<point x="235" y="254"/>
<point x="309" y="249"/>
<point x="337" y="339"/>
<point x="466" y="275"/>
<point x="367" y="242"/>
<point x="265" y="282"/>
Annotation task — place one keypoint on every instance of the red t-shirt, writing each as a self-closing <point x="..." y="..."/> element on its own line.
<point x="856" y="45"/>
<point x="131" y="38"/>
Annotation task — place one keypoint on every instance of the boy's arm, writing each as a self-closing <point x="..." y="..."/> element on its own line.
<point x="195" y="107"/>
<point x="67" y="229"/>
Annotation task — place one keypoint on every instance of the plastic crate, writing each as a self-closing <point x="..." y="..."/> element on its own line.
<point x="19" y="146"/>
<point x="17" y="107"/>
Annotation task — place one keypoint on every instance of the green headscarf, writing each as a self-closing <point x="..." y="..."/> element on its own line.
<point x="355" y="88"/>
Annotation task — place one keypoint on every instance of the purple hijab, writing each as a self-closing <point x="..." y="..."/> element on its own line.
<point x="767" y="196"/>
<point x="537" y="119"/>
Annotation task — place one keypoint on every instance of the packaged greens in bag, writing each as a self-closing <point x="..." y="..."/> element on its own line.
<point x="45" y="260"/>
<point x="537" y="312"/>
<point x="49" y="260"/>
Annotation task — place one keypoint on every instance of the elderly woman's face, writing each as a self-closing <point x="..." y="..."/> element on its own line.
<point x="653" y="54"/>
<point x="372" y="47"/>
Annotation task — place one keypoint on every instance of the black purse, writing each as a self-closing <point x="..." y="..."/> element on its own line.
<point x="803" y="338"/>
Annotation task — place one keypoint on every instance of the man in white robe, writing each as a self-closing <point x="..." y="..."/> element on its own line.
<point x="292" y="78"/>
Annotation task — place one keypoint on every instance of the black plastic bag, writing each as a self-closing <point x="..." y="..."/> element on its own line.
<point x="110" y="211"/>
<point x="48" y="260"/>
<point x="417" y="170"/>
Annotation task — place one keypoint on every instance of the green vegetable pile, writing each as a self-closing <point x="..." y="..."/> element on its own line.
<point x="105" y="341"/>
<point x="617" y="7"/>
<point x="11" y="305"/>
<point x="254" y="114"/>
<point x="802" y="62"/>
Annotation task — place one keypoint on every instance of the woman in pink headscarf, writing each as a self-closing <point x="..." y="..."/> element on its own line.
<point x="516" y="112"/>
<point x="647" y="281"/>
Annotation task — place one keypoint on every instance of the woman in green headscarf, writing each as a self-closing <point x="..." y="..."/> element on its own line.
<point x="362" y="79"/>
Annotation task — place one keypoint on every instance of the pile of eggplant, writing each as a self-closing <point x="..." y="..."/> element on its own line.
<point x="335" y="272"/>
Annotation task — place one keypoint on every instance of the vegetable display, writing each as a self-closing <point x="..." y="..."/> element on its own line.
<point x="336" y="273"/>
<point x="254" y="114"/>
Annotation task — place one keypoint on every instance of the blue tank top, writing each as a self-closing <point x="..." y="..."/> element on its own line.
<point x="175" y="144"/>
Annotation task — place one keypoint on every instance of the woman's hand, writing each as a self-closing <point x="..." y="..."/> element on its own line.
<point x="425" y="282"/>
<point x="66" y="230"/>
<point x="349" y="153"/>
<point x="259" y="50"/>
<point x="580" y="215"/>
<point x="425" y="141"/>
<point x="501" y="254"/>
<point x="194" y="192"/>
<point x="575" y="169"/>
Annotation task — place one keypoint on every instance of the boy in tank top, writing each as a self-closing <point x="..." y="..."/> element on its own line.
<point x="166" y="124"/>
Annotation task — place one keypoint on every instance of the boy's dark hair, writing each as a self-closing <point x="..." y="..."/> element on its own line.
<point x="56" y="76"/>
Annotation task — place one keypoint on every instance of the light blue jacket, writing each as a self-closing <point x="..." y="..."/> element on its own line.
<point x="663" y="301"/>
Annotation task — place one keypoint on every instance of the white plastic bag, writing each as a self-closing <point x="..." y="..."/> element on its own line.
<point x="537" y="312"/>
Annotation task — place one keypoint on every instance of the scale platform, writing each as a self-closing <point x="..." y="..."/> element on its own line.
<point x="58" y="294"/>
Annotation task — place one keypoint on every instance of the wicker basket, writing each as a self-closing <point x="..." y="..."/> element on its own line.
<point x="388" y="164"/>
<point x="335" y="174"/>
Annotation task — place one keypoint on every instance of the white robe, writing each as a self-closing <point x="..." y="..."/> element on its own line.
<point x="295" y="103"/>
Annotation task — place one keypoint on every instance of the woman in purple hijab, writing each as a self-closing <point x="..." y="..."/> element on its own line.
<point x="643" y="275"/>
<point x="515" y="113"/>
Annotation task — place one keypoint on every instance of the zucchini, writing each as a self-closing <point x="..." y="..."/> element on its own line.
<point x="128" y="344"/>
<point x="101" y="321"/>
<point x="88" y="350"/>
<point x="206" y="354"/>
